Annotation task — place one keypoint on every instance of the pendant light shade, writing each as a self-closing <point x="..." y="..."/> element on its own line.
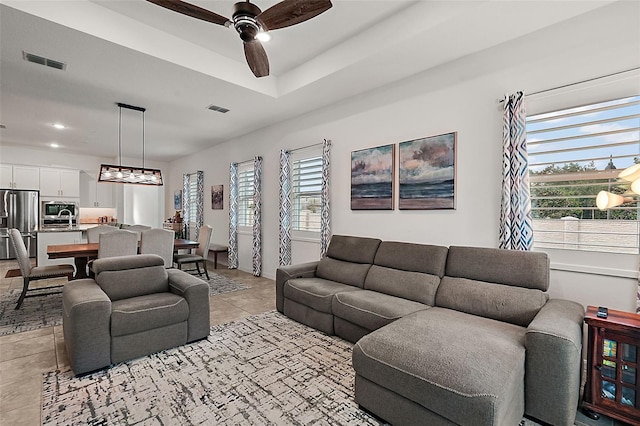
<point x="129" y="174"/>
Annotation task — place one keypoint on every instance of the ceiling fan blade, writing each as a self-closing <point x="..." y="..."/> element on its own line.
<point x="291" y="12"/>
<point x="256" y="58"/>
<point x="192" y="10"/>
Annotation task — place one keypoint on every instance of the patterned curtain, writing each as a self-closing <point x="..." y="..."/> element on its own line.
<point x="199" y="202"/>
<point x="257" y="217"/>
<point x="185" y="205"/>
<point x="285" y="208"/>
<point x="233" y="216"/>
<point x="325" y="208"/>
<point x="516" y="232"/>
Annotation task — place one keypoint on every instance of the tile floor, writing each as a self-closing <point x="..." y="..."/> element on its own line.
<point x="24" y="356"/>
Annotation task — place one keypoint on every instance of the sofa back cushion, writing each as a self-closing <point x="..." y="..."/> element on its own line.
<point x="343" y="272"/>
<point x="424" y="258"/>
<point x="123" y="277"/>
<point x="348" y="259"/>
<point x="511" y="267"/>
<point x="353" y="249"/>
<point x="408" y="285"/>
<point x="515" y="305"/>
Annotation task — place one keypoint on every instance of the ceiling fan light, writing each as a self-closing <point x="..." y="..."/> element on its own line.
<point x="263" y="36"/>
<point x="631" y="173"/>
<point x="606" y="200"/>
<point x="635" y="186"/>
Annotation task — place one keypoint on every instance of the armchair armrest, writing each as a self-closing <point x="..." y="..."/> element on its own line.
<point x="285" y="273"/>
<point x="86" y="317"/>
<point x="196" y="293"/>
<point x="554" y="362"/>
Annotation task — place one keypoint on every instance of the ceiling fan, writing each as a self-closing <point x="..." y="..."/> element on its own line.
<point x="249" y="20"/>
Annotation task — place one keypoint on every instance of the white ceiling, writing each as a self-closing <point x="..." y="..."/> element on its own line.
<point x="135" y="52"/>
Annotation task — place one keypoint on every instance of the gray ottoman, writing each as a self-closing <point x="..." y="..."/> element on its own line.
<point x="442" y="367"/>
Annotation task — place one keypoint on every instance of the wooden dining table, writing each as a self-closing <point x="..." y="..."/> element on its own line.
<point x="82" y="252"/>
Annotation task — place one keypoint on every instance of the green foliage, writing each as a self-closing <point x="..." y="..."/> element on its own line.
<point x="574" y="198"/>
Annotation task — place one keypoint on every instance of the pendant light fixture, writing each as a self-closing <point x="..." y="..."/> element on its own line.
<point x="129" y="174"/>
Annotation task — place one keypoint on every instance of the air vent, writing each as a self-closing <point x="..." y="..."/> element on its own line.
<point x="217" y="108"/>
<point x="44" y="61"/>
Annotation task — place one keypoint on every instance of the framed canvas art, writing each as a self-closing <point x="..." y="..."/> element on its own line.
<point x="177" y="199"/>
<point x="428" y="173"/>
<point x="372" y="172"/>
<point x="217" y="197"/>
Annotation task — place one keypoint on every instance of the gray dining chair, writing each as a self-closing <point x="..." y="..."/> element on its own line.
<point x="158" y="241"/>
<point x="201" y="253"/>
<point x="93" y="234"/>
<point x="138" y="229"/>
<point x="32" y="273"/>
<point x="118" y="243"/>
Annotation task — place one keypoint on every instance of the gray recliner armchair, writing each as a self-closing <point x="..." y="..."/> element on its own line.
<point x="133" y="307"/>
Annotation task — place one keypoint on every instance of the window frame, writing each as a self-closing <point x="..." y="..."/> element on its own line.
<point x="246" y="191"/>
<point x="306" y="171"/>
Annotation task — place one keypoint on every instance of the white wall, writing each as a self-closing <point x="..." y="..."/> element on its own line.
<point x="460" y="96"/>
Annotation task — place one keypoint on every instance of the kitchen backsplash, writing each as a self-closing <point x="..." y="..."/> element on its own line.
<point x="93" y="215"/>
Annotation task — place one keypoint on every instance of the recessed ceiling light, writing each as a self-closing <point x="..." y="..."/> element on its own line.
<point x="59" y="126"/>
<point x="54" y="145"/>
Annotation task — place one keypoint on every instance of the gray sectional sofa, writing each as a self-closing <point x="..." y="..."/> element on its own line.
<point x="444" y="336"/>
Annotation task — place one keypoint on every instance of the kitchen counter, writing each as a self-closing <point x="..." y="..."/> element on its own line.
<point x="81" y="227"/>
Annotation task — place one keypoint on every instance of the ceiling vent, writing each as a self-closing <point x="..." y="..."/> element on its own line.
<point x="44" y="61"/>
<point x="217" y="108"/>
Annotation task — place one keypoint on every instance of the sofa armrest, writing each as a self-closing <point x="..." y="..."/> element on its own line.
<point x="554" y="362"/>
<point x="86" y="318"/>
<point x="285" y="273"/>
<point x="196" y="293"/>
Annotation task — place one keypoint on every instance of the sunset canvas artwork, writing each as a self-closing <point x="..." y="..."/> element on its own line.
<point x="427" y="173"/>
<point x="372" y="173"/>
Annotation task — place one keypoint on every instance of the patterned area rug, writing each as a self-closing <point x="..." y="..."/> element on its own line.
<point x="46" y="311"/>
<point x="264" y="369"/>
<point x="261" y="370"/>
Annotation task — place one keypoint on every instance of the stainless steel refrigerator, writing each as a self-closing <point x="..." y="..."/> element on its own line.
<point x="18" y="209"/>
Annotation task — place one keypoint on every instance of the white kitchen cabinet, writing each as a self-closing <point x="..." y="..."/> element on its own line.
<point x="59" y="183"/>
<point x="19" y="177"/>
<point x="58" y="237"/>
<point x="94" y="193"/>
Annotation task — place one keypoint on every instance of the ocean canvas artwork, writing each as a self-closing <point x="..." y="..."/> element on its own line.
<point x="372" y="172"/>
<point x="427" y="173"/>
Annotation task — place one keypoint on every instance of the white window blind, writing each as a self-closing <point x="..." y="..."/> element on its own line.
<point x="573" y="154"/>
<point x="306" y="179"/>
<point x="245" y="195"/>
<point x="193" y="198"/>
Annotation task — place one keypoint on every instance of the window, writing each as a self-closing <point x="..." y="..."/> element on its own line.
<point x="245" y="195"/>
<point x="306" y="187"/>
<point x="190" y="216"/>
<point x="573" y="154"/>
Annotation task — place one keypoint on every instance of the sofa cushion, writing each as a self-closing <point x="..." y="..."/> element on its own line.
<point x="315" y="293"/>
<point x="461" y="367"/>
<point x="136" y="314"/>
<point x="341" y="271"/>
<point x="514" y="305"/>
<point x="414" y="286"/>
<point x="353" y="249"/>
<point x="131" y="276"/>
<point x="511" y="267"/>
<point x="428" y="259"/>
<point x="372" y="310"/>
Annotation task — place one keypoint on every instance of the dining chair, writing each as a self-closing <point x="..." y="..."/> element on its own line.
<point x="158" y="241"/>
<point x="32" y="273"/>
<point x="138" y="229"/>
<point x="118" y="243"/>
<point x="201" y="253"/>
<point x="93" y="234"/>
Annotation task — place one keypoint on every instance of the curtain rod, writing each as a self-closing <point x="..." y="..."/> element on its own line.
<point x="242" y="163"/>
<point x="578" y="82"/>
<point x="304" y="147"/>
